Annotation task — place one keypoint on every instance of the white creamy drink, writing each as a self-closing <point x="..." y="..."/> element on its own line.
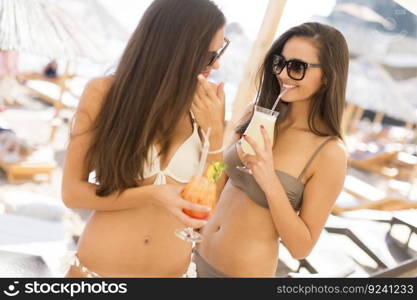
<point x="262" y="116"/>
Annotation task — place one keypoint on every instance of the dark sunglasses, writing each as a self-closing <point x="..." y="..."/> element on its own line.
<point x="215" y="55"/>
<point x="296" y="68"/>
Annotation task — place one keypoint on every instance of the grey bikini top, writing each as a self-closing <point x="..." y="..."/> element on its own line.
<point x="292" y="185"/>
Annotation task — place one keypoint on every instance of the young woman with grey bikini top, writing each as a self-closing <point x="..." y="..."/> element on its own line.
<point x="296" y="177"/>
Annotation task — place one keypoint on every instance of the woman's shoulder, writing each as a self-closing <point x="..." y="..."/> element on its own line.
<point x="334" y="152"/>
<point x="94" y="93"/>
<point x="99" y="84"/>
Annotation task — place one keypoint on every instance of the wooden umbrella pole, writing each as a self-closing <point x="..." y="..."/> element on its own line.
<point x="247" y="87"/>
<point x="378" y="117"/>
<point x="347" y="117"/>
<point x="356" y="118"/>
<point x="62" y="85"/>
<point x="409" y="126"/>
<point x="56" y="121"/>
<point x="413" y="180"/>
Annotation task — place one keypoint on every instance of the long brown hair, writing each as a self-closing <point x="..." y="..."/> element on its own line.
<point x="151" y="90"/>
<point x="329" y="100"/>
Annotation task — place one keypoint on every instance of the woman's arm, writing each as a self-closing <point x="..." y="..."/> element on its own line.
<point x="208" y="107"/>
<point x="77" y="192"/>
<point x="300" y="232"/>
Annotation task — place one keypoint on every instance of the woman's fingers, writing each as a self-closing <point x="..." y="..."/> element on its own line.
<point x="191" y="222"/>
<point x="200" y="90"/>
<point x="197" y="102"/>
<point x="253" y="144"/>
<point x="267" y="140"/>
<point x="222" y="97"/>
<point x="249" y="160"/>
<point x="194" y="108"/>
<point x="206" y="87"/>
<point x="195" y="207"/>
<point x="220" y="92"/>
<point x="180" y="188"/>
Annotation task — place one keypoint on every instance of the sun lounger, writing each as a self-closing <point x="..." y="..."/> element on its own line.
<point x="366" y="196"/>
<point x="406" y="218"/>
<point x="362" y="189"/>
<point x="52" y="94"/>
<point x="15" y="264"/>
<point x="283" y="269"/>
<point x="381" y="163"/>
<point x="326" y="260"/>
<point x="38" y="166"/>
<point x="395" y="164"/>
<point x="405" y="269"/>
<point x="372" y="238"/>
<point x="369" y="215"/>
<point x="34" y="237"/>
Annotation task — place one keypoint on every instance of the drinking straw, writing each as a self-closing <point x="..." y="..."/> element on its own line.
<point x="277" y="101"/>
<point x="279" y="96"/>
<point x="204" y="153"/>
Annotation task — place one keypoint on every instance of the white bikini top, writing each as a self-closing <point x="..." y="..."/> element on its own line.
<point x="182" y="166"/>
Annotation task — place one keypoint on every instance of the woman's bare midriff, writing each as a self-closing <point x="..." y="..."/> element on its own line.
<point x="240" y="240"/>
<point x="134" y="243"/>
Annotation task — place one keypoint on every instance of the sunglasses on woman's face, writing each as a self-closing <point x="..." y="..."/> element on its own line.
<point x="296" y="69"/>
<point x="215" y="55"/>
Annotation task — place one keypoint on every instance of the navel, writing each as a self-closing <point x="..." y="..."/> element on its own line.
<point x="147" y="239"/>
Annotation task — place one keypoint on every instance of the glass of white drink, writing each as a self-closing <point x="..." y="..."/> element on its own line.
<point x="262" y="116"/>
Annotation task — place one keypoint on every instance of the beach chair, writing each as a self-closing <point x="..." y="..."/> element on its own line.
<point x="358" y="194"/>
<point x="15" y="264"/>
<point x="283" y="269"/>
<point x="408" y="219"/>
<point x="406" y="269"/>
<point x="368" y="240"/>
<point x="368" y="215"/>
<point x="381" y="163"/>
<point x="326" y="260"/>
<point x="38" y="166"/>
<point x="54" y="92"/>
<point x="31" y="238"/>
<point x="394" y="164"/>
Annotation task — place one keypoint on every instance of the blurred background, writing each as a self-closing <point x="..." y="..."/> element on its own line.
<point x="49" y="50"/>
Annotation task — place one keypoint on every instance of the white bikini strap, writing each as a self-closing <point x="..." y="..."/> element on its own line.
<point x="192" y="116"/>
<point x="195" y="124"/>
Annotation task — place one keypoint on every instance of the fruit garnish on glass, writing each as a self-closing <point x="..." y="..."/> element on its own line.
<point x="203" y="190"/>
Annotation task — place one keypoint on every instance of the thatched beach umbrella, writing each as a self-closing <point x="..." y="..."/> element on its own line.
<point x="48" y="29"/>
<point x="97" y="18"/>
<point x="44" y="28"/>
<point x="409" y="89"/>
<point x="371" y="87"/>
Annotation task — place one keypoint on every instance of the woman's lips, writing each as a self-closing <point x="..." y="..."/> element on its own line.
<point x="288" y="87"/>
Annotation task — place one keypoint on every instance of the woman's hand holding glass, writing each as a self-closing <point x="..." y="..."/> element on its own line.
<point x="169" y="196"/>
<point x="261" y="164"/>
